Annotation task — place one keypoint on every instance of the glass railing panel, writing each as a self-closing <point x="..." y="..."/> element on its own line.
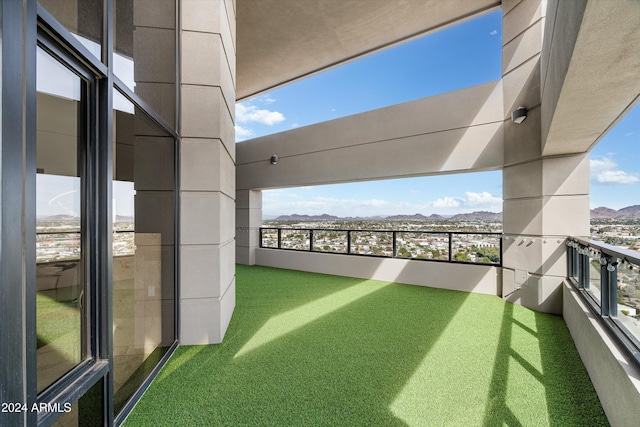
<point x="269" y="238"/>
<point x="296" y="239"/>
<point x="330" y="241"/>
<point x="475" y="248"/>
<point x="612" y="288"/>
<point x="594" y="288"/>
<point x="377" y="243"/>
<point x="420" y="245"/>
<point x="629" y="298"/>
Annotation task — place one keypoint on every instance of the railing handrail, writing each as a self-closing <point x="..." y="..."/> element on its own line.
<point x="611" y="250"/>
<point x="603" y="299"/>
<point x="493" y="233"/>
<point x="78" y="232"/>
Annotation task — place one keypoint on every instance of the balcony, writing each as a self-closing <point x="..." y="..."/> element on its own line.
<point x="314" y="349"/>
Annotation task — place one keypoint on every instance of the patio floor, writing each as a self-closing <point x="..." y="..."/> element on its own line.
<point x="313" y="349"/>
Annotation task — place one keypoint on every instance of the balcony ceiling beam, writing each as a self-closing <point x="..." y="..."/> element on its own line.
<point x="280" y="41"/>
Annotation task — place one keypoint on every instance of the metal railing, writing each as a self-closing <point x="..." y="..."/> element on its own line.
<point x="444" y="246"/>
<point x="57" y="246"/>
<point x="607" y="278"/>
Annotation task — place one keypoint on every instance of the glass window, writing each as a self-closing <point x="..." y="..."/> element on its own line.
<point x="85" y="412"/>
<point x="143" y="247"/>
<point x="60" y="221"/>
<point x="82" y="18"/>
<point x="145" y="52"/>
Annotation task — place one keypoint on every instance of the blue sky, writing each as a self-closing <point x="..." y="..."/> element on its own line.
<point x="438" y="63"/>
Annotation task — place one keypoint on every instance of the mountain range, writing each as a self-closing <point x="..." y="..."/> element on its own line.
<point x="630" y="212"/>
<point x="473" y="216"/>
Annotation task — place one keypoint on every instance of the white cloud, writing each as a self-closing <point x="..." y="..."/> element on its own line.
<point x="285" y="203"/>
<point x="250" y="113"/>
<point x="447" y="202"/>
<point x="294" y="125"/>
<point x="602" y="165"/>
<point x="494" y="32"/>
<point x="605" y="171"/>
<point x="266" y="99"/>
<point x="472" y="201"/>
<point x="242" y="133"/>
<point x="616" y="177"/>
<point x="482" y="199"/>
<point x="294" y="200"/>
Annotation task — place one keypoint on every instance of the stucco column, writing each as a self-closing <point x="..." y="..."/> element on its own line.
<point x="248" y="222"/>
<point x="207" y="170"/>
<point x="545" y="198"/>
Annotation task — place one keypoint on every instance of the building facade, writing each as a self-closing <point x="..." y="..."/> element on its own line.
<point x="125" y="201"/>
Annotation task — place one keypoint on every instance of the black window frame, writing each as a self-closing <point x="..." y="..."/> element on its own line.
<point x="43" y="30"/>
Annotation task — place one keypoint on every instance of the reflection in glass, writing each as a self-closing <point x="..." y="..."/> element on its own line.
<point x="145" y="52"/>
<point x="60" y="253"/>
<point x="143" y="247"/>
<point x="85" y="412"/>
<point x="83" y="19"/>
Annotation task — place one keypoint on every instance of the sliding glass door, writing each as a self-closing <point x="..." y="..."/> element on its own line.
<point x="61" y="221"/>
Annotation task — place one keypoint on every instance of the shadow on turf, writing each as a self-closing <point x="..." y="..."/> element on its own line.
<point x="345" y="367"/>
<point x="564" y="380"/>
<point x="342" y="368"/>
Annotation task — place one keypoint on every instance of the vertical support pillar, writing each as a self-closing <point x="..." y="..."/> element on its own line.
<point x="545" y="198"/>
<point x="207" y="165"/>
<point x="248" y="223"/>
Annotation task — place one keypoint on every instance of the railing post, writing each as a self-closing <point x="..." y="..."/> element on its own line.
<point x="583" y="265"/>
<point x="570" y="268"/>
<point x="279" y="238"/>
<point x="393" y="245"/>
<point x="605" y="303"/>
<point x="310" y="240"/>
<point x="450" y="234"/>
<point x="612" y="287"/>
<point x="260" y="236"/>
<point x="348" y="242"/>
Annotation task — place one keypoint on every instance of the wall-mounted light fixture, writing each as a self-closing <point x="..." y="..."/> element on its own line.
<point x="519" y="114"/>
<point x="274" y="159"/>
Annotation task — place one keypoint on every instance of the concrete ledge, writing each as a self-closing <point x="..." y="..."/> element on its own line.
<point x="614" y="376"/>
<point x="460" y="277"/>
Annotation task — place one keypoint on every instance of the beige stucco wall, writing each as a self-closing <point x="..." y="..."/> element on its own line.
<point x="460" y="131"/>
<point x="207" y="175"/>
<point x="615" y="378"/>
<point x="460" y="277"/>
<point x="545" y="198"/>
<point x="589" y="71"/>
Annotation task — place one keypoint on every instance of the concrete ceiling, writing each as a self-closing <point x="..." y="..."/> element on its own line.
<point x="599" y="83"/>
<point x="280" y="41"/>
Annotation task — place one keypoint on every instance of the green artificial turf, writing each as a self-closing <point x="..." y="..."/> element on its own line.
<point x="311" y="349"/>
<point x="55" y="319"/>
